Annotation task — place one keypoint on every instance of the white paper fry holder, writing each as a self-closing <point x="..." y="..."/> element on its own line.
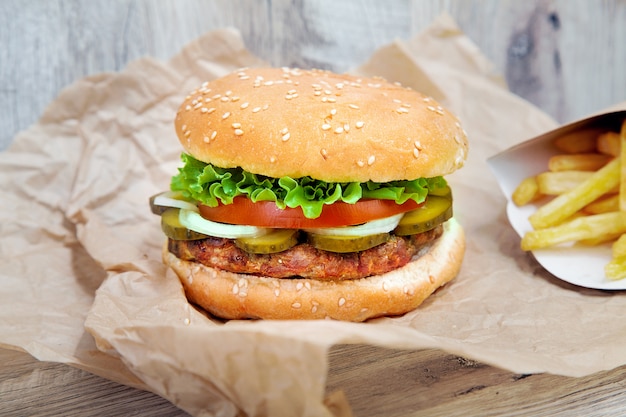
<point x="578" y="264"/>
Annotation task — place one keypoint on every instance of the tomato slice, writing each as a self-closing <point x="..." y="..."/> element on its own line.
<point x="266" y="214"/>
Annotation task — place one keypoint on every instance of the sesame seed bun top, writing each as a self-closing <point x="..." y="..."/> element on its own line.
<point x="336" y="128"/>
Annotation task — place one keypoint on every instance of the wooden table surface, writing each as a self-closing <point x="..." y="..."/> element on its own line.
<point x="567" y="57"/>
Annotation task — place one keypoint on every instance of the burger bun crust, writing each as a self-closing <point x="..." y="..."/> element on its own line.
<point x="331" y="127"/>
<point x="230" y="295"/>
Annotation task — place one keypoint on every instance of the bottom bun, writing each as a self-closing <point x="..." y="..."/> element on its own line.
<point x="237" y="296"/>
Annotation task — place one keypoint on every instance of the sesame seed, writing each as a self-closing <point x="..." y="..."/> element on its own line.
<point x="236" y="125"/>
<point x="402" y="110"/>
<point x="214" y="134"/>
<point x="204" y="110"/>
<point x="286" y="136"/>
<point x="244" y="77"/>
<point x="284" y="130"/>
<point x="224" y="99"/>
<point x="299" y="286"/>
<point x="384" y="286"/>
<point x="234" y="98"/>
<point x="324" y="99"/>
<point x="238" y="132"/>
<point x="427" y="99"/>
<point x="187" y="133"/>
<point x="276" y="292"/>
<point x="395" y="100"/>
<point x="325" y="126"/>
<point x="215" y="97"/>
<point x="314" y="309"/>
<point x="431" y="108"/>
<point x="292" y="91"/>
<point x="197" y="106"/>
<point x="324" y="153"/>
<point x="416" y="152"/>
<point x="225" y="115"/>
<point x="339" y="130"/>
<point x="206" y="139"/>
<point x="210" y="110"/>
<point x="268" y="83"/>
<point x="360" y="163"/>
<point x="266" y="106"/>
<point x="353" y="106"/>
<point x="417" y="145"/>
<point x="272" y="159"/>
<point x="332" y="100"/>
<point x="341" y="302"/>
<point x="244" y="105"/>
<point x="228" y="93"/>
<point x="256" y="110"/>
<point x="235" y="289"/>
<point x="333" y="112"/>
<point x="457" y="139"/>
<point x="207" y="100"/>
<point x="371" y="160"/>
<point x="346" y="127"/>
<point x="307" y="285"/>
<point x="296" y="305"/>
<point x="187" y="107"/>
<point x="359" y="124"/>
<point x="183" y="127"/>
<point x="317" y="93"/>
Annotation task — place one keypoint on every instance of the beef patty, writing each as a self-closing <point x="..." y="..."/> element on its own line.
<point x="304" y="260"/>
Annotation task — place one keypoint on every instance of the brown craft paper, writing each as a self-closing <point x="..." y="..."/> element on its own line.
<point x="80" y="247"/>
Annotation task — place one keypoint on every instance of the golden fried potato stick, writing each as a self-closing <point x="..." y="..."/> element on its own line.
<point x="570" y="202"/>
<point x="616" y="269"/>
<point x="578" y="162"/>
<point x="525" y="192"/>
<point x="608" y="143"/>
<point x="603" y="204"/>
<point x="555" y="183"/>
<point x="619" y="247"/>
<point x="581" y="228"/>
<point x="622" y="188"/>
<point x="578" y="141"/>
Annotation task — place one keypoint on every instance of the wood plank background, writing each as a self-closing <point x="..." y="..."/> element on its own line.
<point x="566" y="56"/>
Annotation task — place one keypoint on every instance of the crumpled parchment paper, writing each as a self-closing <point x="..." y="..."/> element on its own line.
<point x="81" y="265"/>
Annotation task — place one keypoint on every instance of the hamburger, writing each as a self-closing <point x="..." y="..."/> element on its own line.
<point x="305" y="194"/>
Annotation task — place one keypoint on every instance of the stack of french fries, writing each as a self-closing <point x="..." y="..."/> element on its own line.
<point x="584" y="190"/>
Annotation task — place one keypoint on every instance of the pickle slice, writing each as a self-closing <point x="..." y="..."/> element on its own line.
<point x="275" y="241"/>
<point x="174" y="229"/>
<point x="345" y="244"/>
<point x="441" y="192"/>
<point x="435" y="211"/>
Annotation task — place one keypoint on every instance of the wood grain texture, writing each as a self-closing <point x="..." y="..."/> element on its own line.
<point x="565" y="56"/>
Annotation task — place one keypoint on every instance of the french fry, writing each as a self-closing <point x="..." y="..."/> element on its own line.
<point x="578" y="162"/>
<point x="588" y="180"/>
<point x="616" y="268"/>
<point x="570" y="202"/>
<point x="579" y="141"/>
<point x="622" y="188"/>
<point x="525" y="192"/>
<point x="581" y="228"/>
<point x="608" y="143"/>
<point x="603" y="204"/>
<point x="619" y="247"/>
<point x="555" y="183"/>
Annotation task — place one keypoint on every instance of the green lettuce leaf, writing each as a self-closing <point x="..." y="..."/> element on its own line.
<point x="212" y="185"/>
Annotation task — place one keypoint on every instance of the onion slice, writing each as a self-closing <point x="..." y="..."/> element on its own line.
<point x="384" y="225"/>
<point x="192" y="220"/>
